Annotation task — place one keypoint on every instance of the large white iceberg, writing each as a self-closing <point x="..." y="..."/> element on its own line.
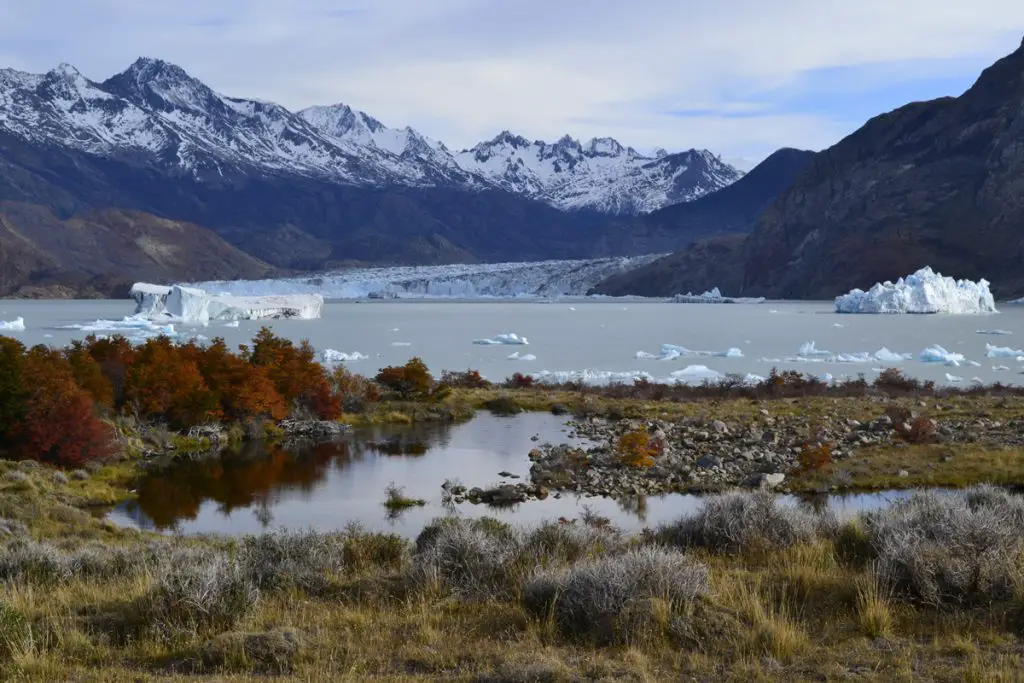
<point x="923" y="292"/>
<point x="196" y="306"/>
<point x="16" y="325"/>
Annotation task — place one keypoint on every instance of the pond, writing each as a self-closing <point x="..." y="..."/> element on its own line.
<point x="330" y="485"/>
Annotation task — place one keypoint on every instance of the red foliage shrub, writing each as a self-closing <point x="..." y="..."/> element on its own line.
<point x="409" y="381"/>
<point x="299" y="379"/>
<point x="520" y="381"/>
<point x="89" y="374"/>
<point x="241" y="389"/>
<point x="353" y="391"/>
<point x="815" y="456"/>
<point x="59" y="424"/>
<point x="114" y="356"/>
<point x="470" y="379"/>
<point x="163" y="383"/>
<point x="637" y="450"/>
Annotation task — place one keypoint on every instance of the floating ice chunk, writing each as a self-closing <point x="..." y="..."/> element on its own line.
<point x="884" y="355"/>
<point x="713" y="296"/>
<point x="1002" y="352"/>
<point x="16" y="325"/>
<point x="590" y="377"/>
<point x="47" y="336"/>
<point x="838" y="325"/>
<point x="693" y="373"/>
<point x="515" y="356"/>
<point x="811" y="350"/>
<point x="330" y="356"/>
<point x="1000" y="368"/>
<point x="508" y="339"/>
<point x="752" y="379"/>
<point x="190" y="305"/>
<point x="1001" y="333"/>
<point x="922" y="292"/>
<point x="937" y="354"/>
<point x="953" y="378"/>
<point x="974" y="363"/>
<point x="401" y="344"/>
<point x="233" y="323"/>
<point x="671" y="352"/>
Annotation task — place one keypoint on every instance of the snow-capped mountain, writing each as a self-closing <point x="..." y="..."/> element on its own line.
<point x="601" y="174"/>
<point x="156" y="114"/>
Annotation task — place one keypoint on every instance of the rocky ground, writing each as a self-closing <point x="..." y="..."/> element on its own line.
<point x="698" y="455"/>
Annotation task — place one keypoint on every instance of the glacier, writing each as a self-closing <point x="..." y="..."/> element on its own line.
<point x="191" y="305"/>
<point x="16" y="325"/>
<point x="714" y="296"/>
<point x="512" y="280"/>
<point x="922" y="292"/>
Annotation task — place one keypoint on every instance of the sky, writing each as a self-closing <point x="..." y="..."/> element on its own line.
<point x="739" y="77"/>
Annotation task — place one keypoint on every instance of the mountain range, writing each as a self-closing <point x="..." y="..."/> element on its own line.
<point x="289" y="191"/>
<point x="937" y="183"/>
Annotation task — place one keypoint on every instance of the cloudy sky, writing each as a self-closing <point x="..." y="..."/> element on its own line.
<point x="740" y="77"/>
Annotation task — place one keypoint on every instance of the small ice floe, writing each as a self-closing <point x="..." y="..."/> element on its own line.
<point x="937" y="354"/>
<point x="526" y="356"/>
<point x="47" y="336"/>
<point x="507" y="339"/>
<point x="401" y="344"/>
<point x="16" y="325"/>
<point x="671" y="352"/>
<point x="394" y="329"/>
<point x="810" y="350"/>
<point x="1000" y="368"/>
<point x="838" y="325"/>
<point x="233" y="323"/>
<point x="953" y="378"/>
<point x="1002" y="352"/>
<point x="331" y="356"/>
<point x="772" y="310"/>
<point x="572" y="308"/>
<point x="974" y="363"/>
<point x="1000" y="333"/>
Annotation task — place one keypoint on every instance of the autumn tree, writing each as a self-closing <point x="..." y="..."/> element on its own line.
<point x="162" y="383"/>
<point x="300" y="380"/>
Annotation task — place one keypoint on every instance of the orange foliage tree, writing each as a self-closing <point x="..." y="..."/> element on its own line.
<point x="163" y="383"/>
<point x="299" y="379"/>
<point x="241" y="389"/>
<point x="637" y="450"/>
<point x="89" y="374"/>
<point x="59" y="424"/>
<point x="409" y="381"/>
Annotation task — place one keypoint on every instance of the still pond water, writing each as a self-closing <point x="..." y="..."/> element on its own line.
<point x="331" y="485"/>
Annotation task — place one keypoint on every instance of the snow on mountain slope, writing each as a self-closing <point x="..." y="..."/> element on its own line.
<point x="156" y="113"/>
<point x="601" y="175"/>
<point x="542" y="279"/>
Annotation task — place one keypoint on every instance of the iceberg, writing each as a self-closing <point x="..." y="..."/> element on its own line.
<point x="671" y="352"/>
<point x="515" y="356"/>
<point x="937" y="354"/>
<point x="16" y="325"/>
<point x="714" y="296"/>
<point x="508" y="339"/>
<point x="1002" y="352"/>
<point x="332" y="357"/>
<point x="190" y="305"/>
<point x="998" y="333"/>
<point x="922" y="292"/>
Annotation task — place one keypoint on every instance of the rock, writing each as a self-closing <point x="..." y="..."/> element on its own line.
<point x="312" y="429"/>
<point x="80" y="475"/>
<point x="708" y="461"/>
<point x="903" y="474"/>
<point x="774" y="479"/>
<point x="720" y="427"/>
<point x="60" y="478"/>
<point x="559" y="409"/>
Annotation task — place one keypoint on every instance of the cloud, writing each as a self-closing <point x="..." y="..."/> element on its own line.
<point x="740" y="77"/>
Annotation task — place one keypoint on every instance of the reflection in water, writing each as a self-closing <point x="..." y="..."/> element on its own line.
<point x="254" y="475"/>
<point x="328" y="486"/>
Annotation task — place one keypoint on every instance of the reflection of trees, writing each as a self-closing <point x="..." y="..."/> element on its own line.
<point x="634" y="505"/>
<point x="257" y="473"/>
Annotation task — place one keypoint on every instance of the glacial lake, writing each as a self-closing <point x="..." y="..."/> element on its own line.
<point x="603" y="336"/>
<point x="330" y="485"/>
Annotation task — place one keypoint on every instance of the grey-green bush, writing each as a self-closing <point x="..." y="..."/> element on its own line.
<point x="614" y="599"/>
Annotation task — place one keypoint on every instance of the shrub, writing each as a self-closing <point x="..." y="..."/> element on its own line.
<point x="553" y="543"/>
<point x="636" y="449"/>
<point x="470" y="379"/>
<point x="30" y="562"/>
<point x="59" y="424"/>
<point x="409" y="381"/>
<point x="299" y="379"/>
<point x="114" y="355"/>
<point x="469" y="558"/>
<point x="292" y="559"/>
<point x="210" y="593"/>
<point x="617" y="599"/>
<point x="919" y="430"/>
<point x="739" y="521"/>
<point x="89" y="375"/>
<point x="949" y="549"/>
<point x="353" y="391"/>
<point x="272" y="653"/>
<point x="519" y="381"/>
<point x="15" y="632"/>
<point x="814" y="456"/>
<point x="162" y="383"/>
<point x="243" y="390"/>
<point x="13" y="390"/>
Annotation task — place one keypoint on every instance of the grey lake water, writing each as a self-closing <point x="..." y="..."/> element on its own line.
<point x="331" y="485"/>
<point x="599" y="336"/>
